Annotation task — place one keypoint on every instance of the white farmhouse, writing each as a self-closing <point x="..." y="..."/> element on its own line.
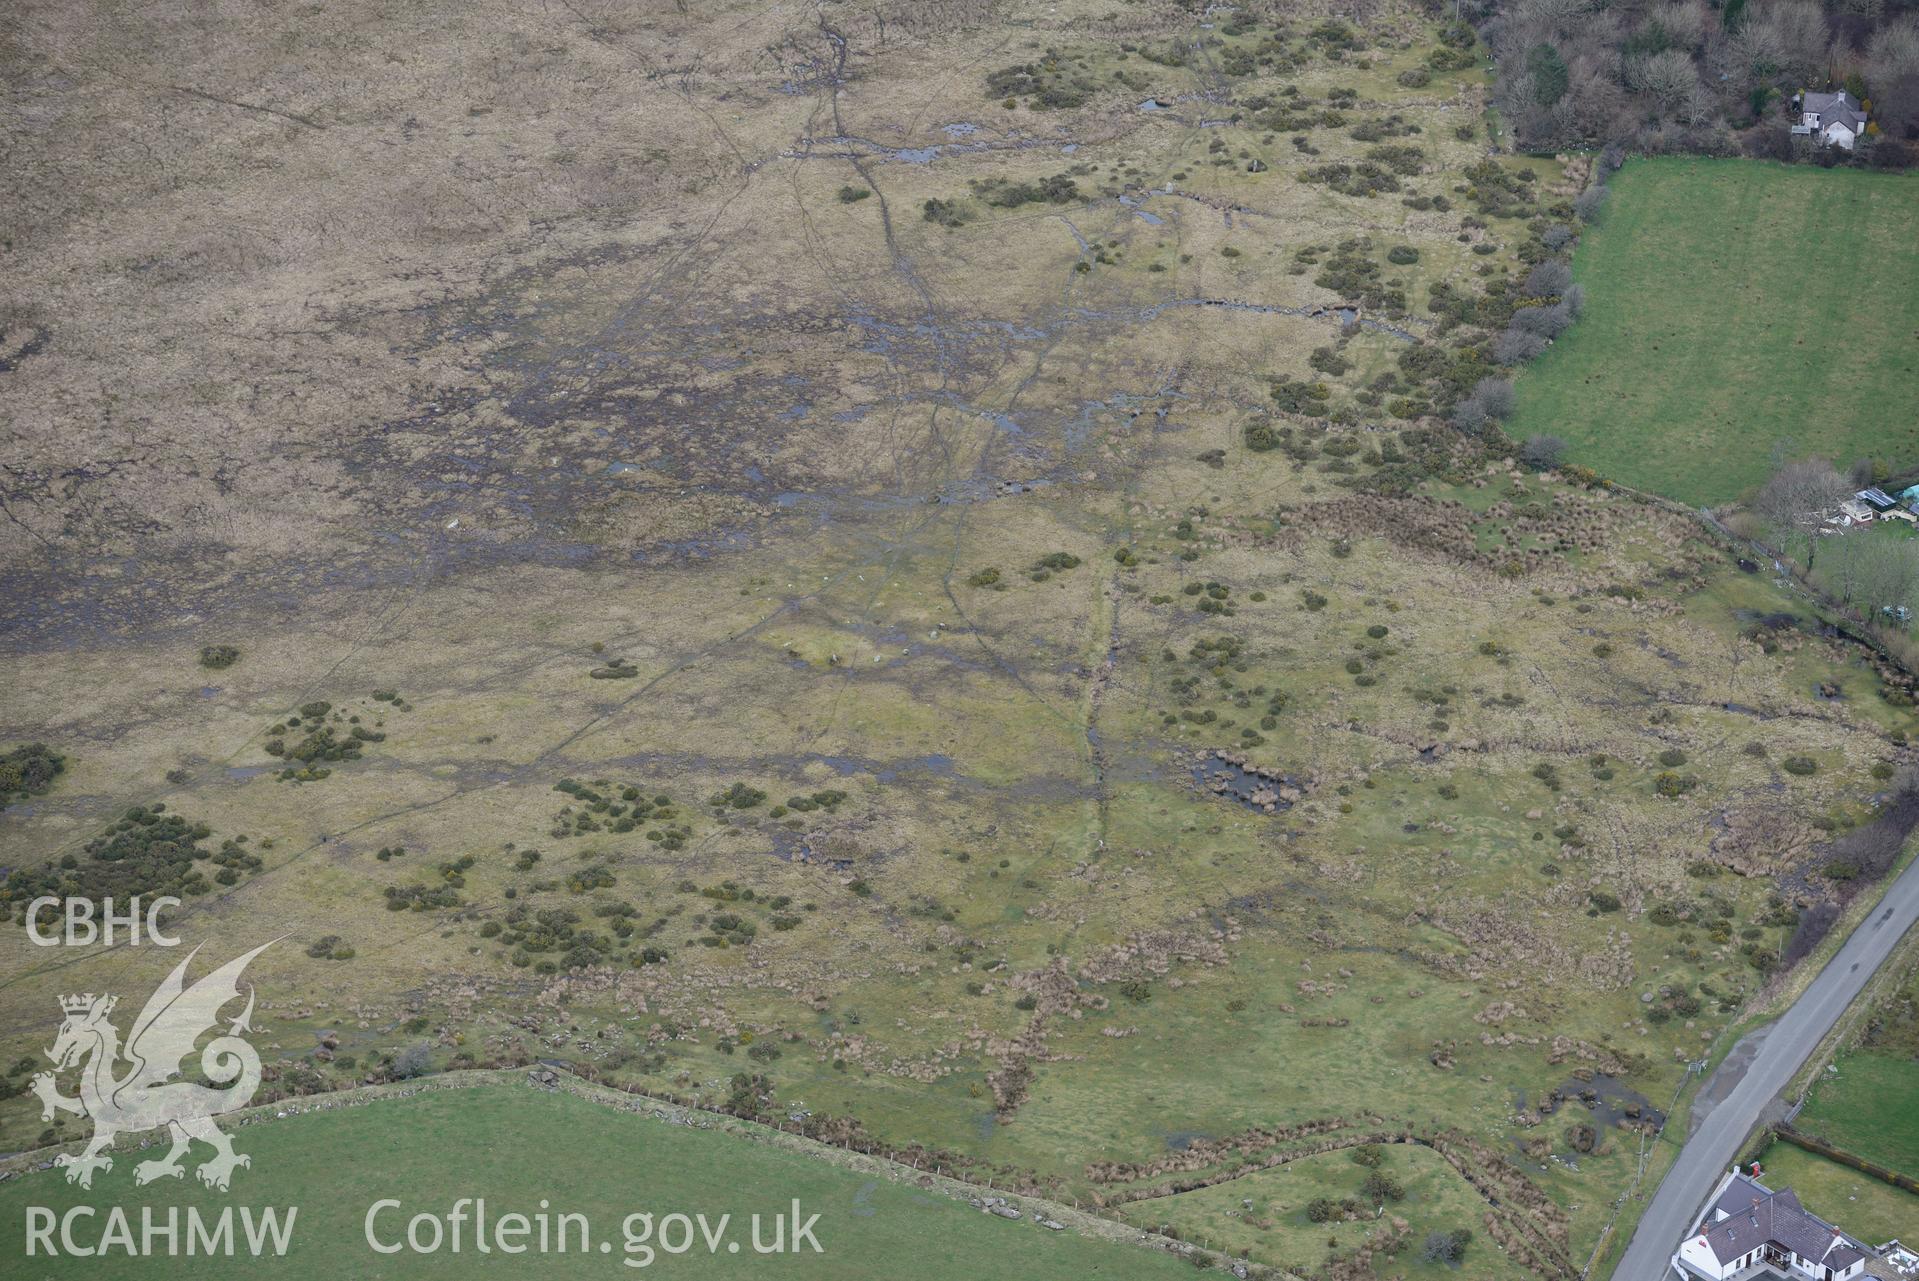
<point x="1835" y="119"/>
<point x="1750" y="1231"/>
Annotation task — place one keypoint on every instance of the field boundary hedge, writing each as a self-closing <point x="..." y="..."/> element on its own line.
<point x="1819" y="1147"/>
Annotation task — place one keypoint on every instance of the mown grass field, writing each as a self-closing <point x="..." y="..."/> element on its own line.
<point x="1870" y="1106"/>
<point x="1735" y="307"/>
<point x="520" y="1149"/>
<point x="1874" y="1211"/>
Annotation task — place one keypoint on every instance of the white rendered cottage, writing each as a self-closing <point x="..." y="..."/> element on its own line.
<point x="1835" y="119"/>
<point x="1750" y="1231"/>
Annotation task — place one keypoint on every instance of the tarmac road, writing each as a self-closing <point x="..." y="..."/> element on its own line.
<point x="1787" y="1044"/>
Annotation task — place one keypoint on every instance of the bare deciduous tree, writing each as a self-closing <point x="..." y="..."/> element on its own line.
<point x="1667" y="77"/>
<point x="1799" y="498"/>
<point x="1542" y="453"/>
<point x="1550" y="278"/>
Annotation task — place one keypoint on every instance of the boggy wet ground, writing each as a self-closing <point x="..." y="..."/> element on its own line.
<point x="1229" y="774"/>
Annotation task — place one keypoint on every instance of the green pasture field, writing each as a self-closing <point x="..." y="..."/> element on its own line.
<point x="520" y="1150"/>
<point x="1870" y="1107"/>
<point x="1735" y="308"/>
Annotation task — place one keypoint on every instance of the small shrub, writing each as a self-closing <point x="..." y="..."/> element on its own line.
<point x="28" y="770"/>
<point x="1542" y="453"/>
<point x="945" y="213"/>
<point x="1381" y="1187"/>
<point x="1446" y="1247"/>
<point x="1324" y="1210"/>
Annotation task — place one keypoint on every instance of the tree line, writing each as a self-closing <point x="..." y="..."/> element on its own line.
<point x="1708" y="76"/>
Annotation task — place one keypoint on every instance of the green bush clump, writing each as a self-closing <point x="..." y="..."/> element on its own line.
<point x="1358" y="178"/>
<point x="1056" y="81"/>
<point x="318" y="744"/>
<point x="146" y="852"/>
<point x="984" y="578"/>
<point x="1671" y="785"/>
<point x="730" y="928"/>
<point x="946" y="213"/>
<point x="28" y="770"/>
<point x="739" y="797"/>
<point x="1381" y="1187"/>
<point x="1060" y="189"/>
<point x="1326" y="1210"/>
<point x="1298" y="397"/>
<point x="603" y="808"/>
<point x="218" y="657"/>
<point x="533" y="933"/>
<point x="1800" y="765"/>
<point x="1328" y="360"/>
<point x="330" y="947"/>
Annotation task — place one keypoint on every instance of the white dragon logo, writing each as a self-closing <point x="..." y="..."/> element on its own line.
<point x="144" y="1098"/>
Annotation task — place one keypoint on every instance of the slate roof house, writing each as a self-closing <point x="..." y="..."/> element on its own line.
<point x="1835" y="119"/>
<point x="1751" y="1231"/>
<point x="1878" y="499"/>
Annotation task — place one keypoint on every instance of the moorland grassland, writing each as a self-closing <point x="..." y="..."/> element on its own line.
<point x="747" y="534"/>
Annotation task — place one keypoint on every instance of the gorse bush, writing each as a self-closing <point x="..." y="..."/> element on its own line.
<point x="28" y="770"/>
<point x="146" y="853"/>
